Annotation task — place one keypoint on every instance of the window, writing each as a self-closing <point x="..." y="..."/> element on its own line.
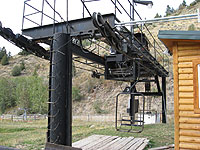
<point x="196" y="85"/>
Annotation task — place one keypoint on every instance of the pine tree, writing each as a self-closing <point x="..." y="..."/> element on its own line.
<point x="4" y="60"/>
<point x="2" y="52"/>
<point x="184" y="3"/>
<point x="169" y="10"/>
<point x="158" y="16"/>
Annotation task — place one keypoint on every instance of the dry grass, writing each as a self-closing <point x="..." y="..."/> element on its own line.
<point x="31" y="135"/>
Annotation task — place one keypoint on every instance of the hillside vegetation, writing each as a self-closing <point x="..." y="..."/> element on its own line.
<point x="29" y="88"/>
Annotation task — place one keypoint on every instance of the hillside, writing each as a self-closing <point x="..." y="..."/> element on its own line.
<point x="98" y="95"/>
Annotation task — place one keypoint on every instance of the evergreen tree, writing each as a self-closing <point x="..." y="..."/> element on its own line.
<point x="4" y="60"/>
<point x="169" y="10"/>
<point x="2" y="52"/>
<point x="16" y="71"/>
<point x="158" y="16"/>
<point x="184" y="3"/>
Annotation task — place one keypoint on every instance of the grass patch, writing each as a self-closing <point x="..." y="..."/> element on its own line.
<point x="32" y="135"/>
<point x="7" y="130"/>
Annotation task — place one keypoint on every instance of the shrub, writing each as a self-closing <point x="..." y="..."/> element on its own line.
<point x="24" y="53"/>
<point x="35" y="70"/>
<point x="32" y="93"/>
<point x="22" y="65"/>
<point x="98" y="109"/>
<point x="76" y="96"/>
<point x="7" y="94"/>
<point x="16" y="71"/>
<point x="191" y="28"/>
<point x="4" y="60"/>
<point x="24" y="92"/>
<point x="91" y="84"/>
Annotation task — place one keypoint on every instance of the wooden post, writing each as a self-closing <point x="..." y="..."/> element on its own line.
<point x="176" y="96"/>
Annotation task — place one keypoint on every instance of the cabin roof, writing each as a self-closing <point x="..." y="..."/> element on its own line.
<point x="168" y="37"/>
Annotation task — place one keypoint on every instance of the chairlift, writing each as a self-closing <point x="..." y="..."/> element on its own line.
<point x="128" y="122"/>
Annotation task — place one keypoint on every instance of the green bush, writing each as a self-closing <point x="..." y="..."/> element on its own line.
<point x="24" y="92"/>
<point x="98" y="109"/>
<point x="32" y="93"/>
<point x="76" y="96"/>
<point x="37" y="67"/>
<point x="7" y="94"/>
<point x="191" y="27"/>
<point x="22" y="65"/>
<point x="16" y="71"/>
<point x="4" y="60"/>
<point x="24" y="53"/>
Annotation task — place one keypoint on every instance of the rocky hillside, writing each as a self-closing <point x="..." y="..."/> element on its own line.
<point x="98" y="95"/>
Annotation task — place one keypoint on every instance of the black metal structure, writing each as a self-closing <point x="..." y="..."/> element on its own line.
<point x="131" y="57"/>
<point x="61" y="86"/>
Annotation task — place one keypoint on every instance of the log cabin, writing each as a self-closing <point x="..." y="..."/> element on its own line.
<point x="185" y="48"/>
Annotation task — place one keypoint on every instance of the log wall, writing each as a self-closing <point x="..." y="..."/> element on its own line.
<point x="187" y="122"/>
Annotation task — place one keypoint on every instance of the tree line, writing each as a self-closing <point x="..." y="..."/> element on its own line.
<point x="29" y="93"/>
<point x="170" y="10"/>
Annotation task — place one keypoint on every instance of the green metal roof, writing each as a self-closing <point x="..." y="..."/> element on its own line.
<point x="185" y="35"/>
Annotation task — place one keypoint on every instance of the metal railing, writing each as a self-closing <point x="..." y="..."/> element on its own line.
<point x="27" y="4"/>
<point x="154" y="47"/>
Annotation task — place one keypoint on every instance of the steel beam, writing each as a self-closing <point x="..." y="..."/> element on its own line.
<point x="79" y="51"/>
<point x="76" y="27"/>
<point x="61" y="90"/>
<point x="132" y="102"/>
<point x="164" y="107"/>
<point x="151" y="93"/>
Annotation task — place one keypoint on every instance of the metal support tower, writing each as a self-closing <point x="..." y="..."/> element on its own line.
<point x="61" y="90"/>
<point x="132" y="102"/>
<point x="164" y="119"/>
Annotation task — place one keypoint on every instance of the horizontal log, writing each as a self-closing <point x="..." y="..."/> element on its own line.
<point x="189" y="53"/>
<point x="191" y="146"/>
<point x="186" y="107"/>
<point x="185" y="65"/>
<point x="185" y="76"/>
<point x="185" y="88"/>
<point x="189" y="114"/>
<point x="188" y="59"/>
<point x="189" y="120"/>
<point x="189" y="126"/>
<point x="185" y="70"/>
<point x="189" y="139"/>
<point x="193" y="133"/>
<point x="185" y="82"/>
<point x="187" y="101"/>
<point x="191" y="43"/>
<point x="186" y="94"/>
<point x="188" y="47"/>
